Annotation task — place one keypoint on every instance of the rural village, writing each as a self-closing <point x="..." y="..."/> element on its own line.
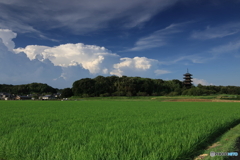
<point x="9" y="96"/>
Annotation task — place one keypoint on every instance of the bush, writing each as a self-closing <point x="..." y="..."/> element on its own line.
<point x="105" y="95"/>
<point x="163" y="93"/>
<point x="129" y="94"/>
<point x="66" y="93"/>
<point x="178" y="90"/>
<point x="185" y="92"/>
<point x="155" y="94"/>
<point x="195" y="92"/>
<point x="209" y="92"/>
<point x="142" y="94"/>
<point x="85" y="95"/>
<point x="173" y="94"/>
<point x="92" y="95"/>
<point x="120" y="93"/>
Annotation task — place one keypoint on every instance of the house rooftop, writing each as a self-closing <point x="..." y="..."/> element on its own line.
<point x="47" y="96"/>
<point x="24" y="96"/>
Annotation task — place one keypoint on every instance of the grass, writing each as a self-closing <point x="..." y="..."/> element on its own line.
<point x="225" y="143"/>
<point x="106" y="130"/>
<point x="156" y="98"/>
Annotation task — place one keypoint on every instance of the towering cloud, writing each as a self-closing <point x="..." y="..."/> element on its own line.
<point x="137" y="66"/>
<point x="7" y="35"/>
<point x="18" y="68"/>
<point x="61" y="65"/>
<point x="93" y="58"/>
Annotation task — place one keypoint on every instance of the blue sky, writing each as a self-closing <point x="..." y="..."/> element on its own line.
<point x="59" y="42"/>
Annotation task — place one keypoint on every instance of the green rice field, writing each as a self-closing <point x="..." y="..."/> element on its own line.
<point x="109" y="130"/>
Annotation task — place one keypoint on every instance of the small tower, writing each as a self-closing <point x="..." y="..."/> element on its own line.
<point x="187" y="80"/>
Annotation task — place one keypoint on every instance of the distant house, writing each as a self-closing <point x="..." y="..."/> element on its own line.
<point x="23" y="98"/>
<point x="1" y="95"/>
<point x="48" y="97"/>
<point x="57" y="95"/>
<point x="6" y="96"/>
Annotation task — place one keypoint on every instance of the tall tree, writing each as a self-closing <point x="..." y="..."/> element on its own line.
<point x="66" y="93"/>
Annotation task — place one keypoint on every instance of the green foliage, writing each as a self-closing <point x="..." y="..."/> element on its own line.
<point x="137" y="86"/>
<point x="122" y="86"/>
<point x="66" y="93"/>
<point x="101" y="85"/>
<point x="155" y="94"/>
<point x="85" y="95"/>
<point x="24" y="89"/>
<point x="105" y="95"/>
<point x="84" y="86"/>
<point x="67" y="130"/>
<point x="196" y="91"/>
<point x="118" y="93"/>
<point x="193" y="92"/>
<point x="129" y="94"/>
<point x="126" y="86"/>
<point x="234" y="97"/>
<point x="173" y="94"/>
<point x="142" y="94"/>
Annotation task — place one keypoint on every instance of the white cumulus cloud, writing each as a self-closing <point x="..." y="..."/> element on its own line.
<point x="97" y="60"/>
<point x="19" y="69"/>
<point x="32" y="51"/>
<point x="7" y="35"/>
<point x="59" y="66"/>
<point x="137" y="66"/>
<point x="200" y="81"/>
<point x="93" y="58"/>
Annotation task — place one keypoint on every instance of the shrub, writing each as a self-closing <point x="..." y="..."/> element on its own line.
<point x="129" y="94"/>
<point x="155" y="94"/>
<point x="142" y="94"/>
<point x="163" y="93"/>
<point x="85" y="95"/>
<point x="119" y="93"/>
<point x="173" y="94"/>
<point x="185" y="92"/>
<point x="105" y="95"/>
<point x="92" y="95"/>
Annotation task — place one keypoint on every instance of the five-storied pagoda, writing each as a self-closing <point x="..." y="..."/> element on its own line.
<point x="187" y="80"/>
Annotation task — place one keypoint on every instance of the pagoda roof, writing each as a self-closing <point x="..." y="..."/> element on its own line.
<point x="187" y="74"/>
<point x="187" y="81"/>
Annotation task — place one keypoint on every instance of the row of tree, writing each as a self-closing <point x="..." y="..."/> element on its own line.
<point x="24" y="89"/>
<point x="120" y="86"/>
<point x="137" y="86"/>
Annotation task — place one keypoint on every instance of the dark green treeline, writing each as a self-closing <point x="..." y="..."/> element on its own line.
<point x="24" y="89"/>
<point x="120" y="86"/>
<point x="137" y="86"/>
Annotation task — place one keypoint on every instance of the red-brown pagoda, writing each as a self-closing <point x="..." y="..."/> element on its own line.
<point x="187" y="80"/>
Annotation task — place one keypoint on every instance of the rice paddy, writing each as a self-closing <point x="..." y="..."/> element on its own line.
<point x="107" y="130"/>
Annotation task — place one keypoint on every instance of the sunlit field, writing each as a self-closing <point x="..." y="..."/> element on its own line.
<point x="108" y="130"/>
